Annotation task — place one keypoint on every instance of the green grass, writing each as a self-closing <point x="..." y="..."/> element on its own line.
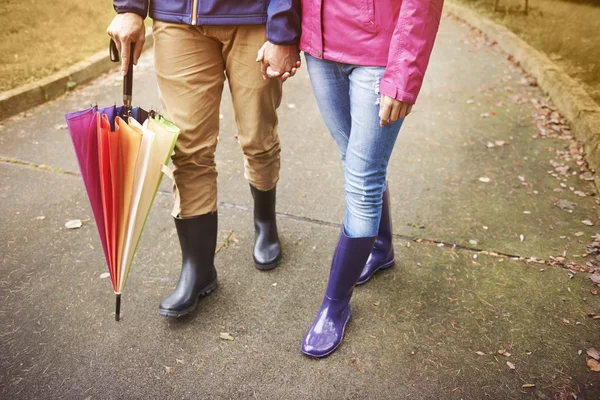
<point x="40" y="37"/>
<point x="567" y="31"/>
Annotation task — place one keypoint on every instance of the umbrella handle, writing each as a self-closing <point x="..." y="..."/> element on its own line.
<point x="128" y="78"/>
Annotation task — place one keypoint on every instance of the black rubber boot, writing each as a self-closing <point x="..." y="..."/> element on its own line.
<point x="267" y="249"/>
<point x="198" y="240"/>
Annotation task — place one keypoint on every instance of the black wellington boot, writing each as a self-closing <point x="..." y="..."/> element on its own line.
<point x="198" y="240"/>
<point x="267" y="250"/>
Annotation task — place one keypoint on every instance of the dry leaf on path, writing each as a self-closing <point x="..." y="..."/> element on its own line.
<point x="595" y="277"/>
<point x="511" y="365"/>
<point x="528" y="385"/>
<point x="593" y="365"/>
<point x="225" y="336"/>
<point x="578" y="234"/>
<point x="73" y="224"/>
<point x="481" y="353"/>
<point x="484" y="179"/>
<point x="587" y="222"/>
<point x="580" y="193"/>
<point x="104" y="275"/>
<point x="592" y="352"/>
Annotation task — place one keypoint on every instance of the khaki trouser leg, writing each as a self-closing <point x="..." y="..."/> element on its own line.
<point x="255" y="102"/>
<point x="190" y="74"/>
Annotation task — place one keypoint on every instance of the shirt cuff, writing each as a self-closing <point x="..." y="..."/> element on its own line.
<point x="389" y="89"/>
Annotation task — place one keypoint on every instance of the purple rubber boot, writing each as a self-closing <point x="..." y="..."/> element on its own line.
<point x="327" y="330"/>
<point x="382" y="255"/>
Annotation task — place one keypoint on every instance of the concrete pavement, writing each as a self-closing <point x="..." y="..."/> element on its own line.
<point x="461" y="207"/>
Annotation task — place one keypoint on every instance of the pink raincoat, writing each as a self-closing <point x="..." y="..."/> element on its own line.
<point x="397" y="34"/>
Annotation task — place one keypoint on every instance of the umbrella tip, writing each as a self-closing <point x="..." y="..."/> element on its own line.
<point x="118" y="308"/>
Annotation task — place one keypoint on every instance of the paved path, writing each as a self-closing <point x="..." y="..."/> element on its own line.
<point x="416" y="329"/>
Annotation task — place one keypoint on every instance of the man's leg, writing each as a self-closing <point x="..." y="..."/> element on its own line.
<point x="255" y="101"/>
<point x="189" y="70"/>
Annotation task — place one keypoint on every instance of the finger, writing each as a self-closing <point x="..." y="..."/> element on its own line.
<point x="298" y="64"/>
<point x="137" y="52"/>
<point x="384" y="113"/>
<point x="263" y="69"/>
<point x="124" y="56"/>
<point x="396" y="111"/>
<point x="271" y="73"/>
<point x="404" y="111"/>
<point x="261" y="54"/>
<point x="285" y="76"/>
<point x="293" y="71"/>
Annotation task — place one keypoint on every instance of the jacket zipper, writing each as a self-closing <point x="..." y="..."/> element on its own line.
<point x="194" y="11"/>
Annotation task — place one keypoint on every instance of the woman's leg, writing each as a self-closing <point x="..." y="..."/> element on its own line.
<point x="331" y="86"/>
<point x="362" y="178"/>
<point x="367" y="155"/>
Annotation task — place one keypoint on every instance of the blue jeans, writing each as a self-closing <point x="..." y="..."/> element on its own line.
<point x="348" y="98"/>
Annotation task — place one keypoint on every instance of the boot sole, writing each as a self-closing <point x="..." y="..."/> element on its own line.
<point x="336" y="346"/>
<point x="387" y="265"/>
<point x="208" y="289"/>
<point x="271" y="265"/>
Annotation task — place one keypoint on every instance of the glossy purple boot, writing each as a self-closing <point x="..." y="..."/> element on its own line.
<point x="327" y="330"/>
<point x="382" y="255"/>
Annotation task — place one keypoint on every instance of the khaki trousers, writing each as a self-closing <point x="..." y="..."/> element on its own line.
<point x="191" y="64"/>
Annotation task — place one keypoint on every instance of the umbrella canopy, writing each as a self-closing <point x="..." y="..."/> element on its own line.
<point x="121" y="153"/>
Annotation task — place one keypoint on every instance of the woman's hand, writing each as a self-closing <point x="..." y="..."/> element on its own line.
<point x="278" y="61"/>
<point x="391" y="110"/>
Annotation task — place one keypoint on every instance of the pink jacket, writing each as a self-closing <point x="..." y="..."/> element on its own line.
<point x="397" y="34"/>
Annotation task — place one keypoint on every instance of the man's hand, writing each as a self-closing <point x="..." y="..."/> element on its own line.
<point x="391" y="110"/>
<point x="125" y="29"/>
<point x="278" y="61"/>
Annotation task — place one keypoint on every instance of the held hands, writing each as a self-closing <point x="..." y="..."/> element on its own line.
<point x="391" y="110"/>
<point x="125" y="29"/>
<point x="278" y="61"/>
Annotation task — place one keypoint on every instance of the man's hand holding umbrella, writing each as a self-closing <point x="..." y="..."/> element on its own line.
<point x="125" y="29"/>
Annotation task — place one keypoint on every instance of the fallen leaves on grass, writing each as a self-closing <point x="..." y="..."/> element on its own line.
<point x="504" y="353"/>
<point x="595" y="354"/>
<point x="511" y="365"/>
<point x="528" y="385"/>
<point x="593" y="365"/>
<point x="587" y="222"/>
<point x="484" y="179"/>
<point x="226" y="336"/>
<point x="565" y="204"/>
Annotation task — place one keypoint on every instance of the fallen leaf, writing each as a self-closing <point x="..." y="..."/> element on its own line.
<point x="225" y="336"/>
<point x="178" y="361"/>
<point x="511" y="365"/>
<point x="593" y="365"/>
<point x="73" y="224"/>
<point x="504" y="353"/>
<point x="484" y="179"/>
<point x="528" y="385"/>
<point x="580" y="193"/>
<point x="526" y="212"/>
<point x="596" y="317"/>
<point x="275" y="284"/>
<point x="592" y="352"/>
<point x="565" y="204"/>
<point x="473" y="242"/>
<point x="291" y="105"/>
<point x="470" y="101"/>
<point x="578" y="234"/>
<point x="587" y="222"/>
<point x="104" y="275"/>
<point x="168" y="370"/>
<point x="41" y="217"/>
<point x="522" y="237"/>
<point x="566" y="321"/>
<point x="521" y="178"/>
<point x="481" y="353"/>
<point x="484" y="115"/>
<point x="595" y="277"/>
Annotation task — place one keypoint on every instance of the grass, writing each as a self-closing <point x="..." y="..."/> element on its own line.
<point x="38" y="37"/>
<point x="567" y="31"/>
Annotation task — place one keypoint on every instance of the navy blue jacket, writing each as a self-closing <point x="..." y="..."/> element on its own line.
<point x="282" y="17"/>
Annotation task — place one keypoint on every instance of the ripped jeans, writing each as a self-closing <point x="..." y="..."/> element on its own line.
<point x="348" y="98"/>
